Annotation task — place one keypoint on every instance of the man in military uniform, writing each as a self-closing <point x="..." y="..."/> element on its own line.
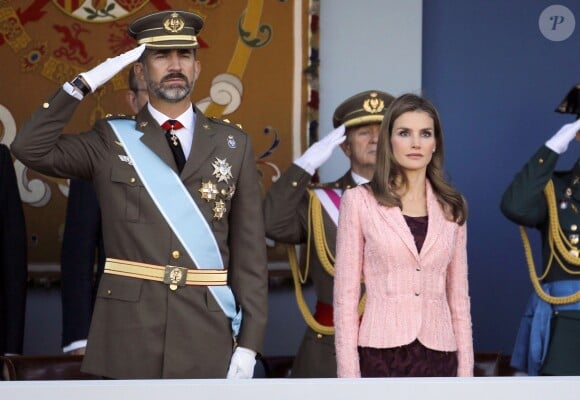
<point x="184" y="290"/>
<point x="297" y="211"/>
<point x="548" y="200"/>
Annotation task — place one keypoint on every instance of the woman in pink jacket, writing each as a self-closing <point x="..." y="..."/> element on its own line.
<point x="404" y="236"/>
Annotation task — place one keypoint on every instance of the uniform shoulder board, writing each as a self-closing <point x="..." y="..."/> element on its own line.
<point x="119" y="116"/>
<point x="226" y="122"/>
<point x="326" y="185"/>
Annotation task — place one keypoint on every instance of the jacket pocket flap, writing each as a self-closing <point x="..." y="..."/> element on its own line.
<point x="119" y="288"/>
<point x="127" y="176"/>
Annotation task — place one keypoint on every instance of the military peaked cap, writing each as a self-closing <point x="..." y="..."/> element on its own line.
<point x="167" y="29"/>
<point x="363" y="108"/>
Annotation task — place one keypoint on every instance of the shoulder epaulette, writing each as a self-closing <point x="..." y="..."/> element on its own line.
<point x="119" y="116"/>
<point x="227" y="122"/>
<point x="325" y="185"/>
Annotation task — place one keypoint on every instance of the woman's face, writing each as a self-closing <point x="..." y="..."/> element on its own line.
<point x="413" y="140"/>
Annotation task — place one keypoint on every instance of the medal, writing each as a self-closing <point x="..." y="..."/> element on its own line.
<point x="221" y="170"/>
<point x="229" y="192"/>
<point x="219" y="209"/>
<point x="208" y="190"/>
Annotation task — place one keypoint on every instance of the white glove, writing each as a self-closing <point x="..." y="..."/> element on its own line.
<point x="110" y="67"/>
<point x="242" y="364"/>
<point x="319" y="152"/>
<point x="560" y="141"/>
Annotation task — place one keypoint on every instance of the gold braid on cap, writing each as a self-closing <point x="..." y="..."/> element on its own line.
<point x="326" y="258"/>
<point x="164" y="38"/>
<point x="559" y="245"/>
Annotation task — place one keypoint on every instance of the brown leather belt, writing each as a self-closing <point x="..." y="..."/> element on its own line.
<point x="168" y="274"/>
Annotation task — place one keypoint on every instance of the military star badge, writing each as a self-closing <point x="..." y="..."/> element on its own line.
<point x="221" y="170"/>
<point x="208" y="190"/>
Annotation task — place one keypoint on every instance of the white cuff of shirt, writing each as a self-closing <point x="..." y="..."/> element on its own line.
<point x="78" y="344"/>
<point x="305" y="166"/>
<point x="74" y="92"/>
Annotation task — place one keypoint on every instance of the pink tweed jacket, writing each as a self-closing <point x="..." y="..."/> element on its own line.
<point x="410" y="295"/>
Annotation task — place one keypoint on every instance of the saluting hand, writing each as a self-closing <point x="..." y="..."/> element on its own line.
<point x="560" y="141"/>
<point x="320" y="152"/>
<point x="110" y="67"/>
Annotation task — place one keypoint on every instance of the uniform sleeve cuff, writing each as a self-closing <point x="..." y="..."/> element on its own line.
<point x="78" y="344"/>
<point x="70" y="89"/>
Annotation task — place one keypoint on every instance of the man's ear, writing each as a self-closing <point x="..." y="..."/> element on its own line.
<point x="131" y="100"/>
<point x="345" y="146"/>
<point x="139" y="71"/>
<point x="197" y="69"/>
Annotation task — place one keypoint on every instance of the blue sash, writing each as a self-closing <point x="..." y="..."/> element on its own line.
<point x="179" y="210"/>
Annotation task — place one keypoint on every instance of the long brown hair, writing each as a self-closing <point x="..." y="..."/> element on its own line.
<point x="389" y="177"/>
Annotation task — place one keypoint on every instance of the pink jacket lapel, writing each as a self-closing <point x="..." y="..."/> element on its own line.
<point x="394" y="217"/>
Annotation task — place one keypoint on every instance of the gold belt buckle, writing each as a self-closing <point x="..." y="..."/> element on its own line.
<point x="174" y="276"/>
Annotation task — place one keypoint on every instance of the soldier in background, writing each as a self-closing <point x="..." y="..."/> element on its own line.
<point x="540" y="197"/>
<point x="299" y="212"/>
<point x="13" y="259"/>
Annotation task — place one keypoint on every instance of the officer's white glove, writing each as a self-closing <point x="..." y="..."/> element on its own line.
<point x="319" y="152"/>
<point x="242" y="364"/>
<point x="110" y="67"/>
<point x="560" y="141"/>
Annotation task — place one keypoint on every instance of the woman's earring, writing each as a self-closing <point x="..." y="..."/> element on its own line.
<point x="433" y="149"/>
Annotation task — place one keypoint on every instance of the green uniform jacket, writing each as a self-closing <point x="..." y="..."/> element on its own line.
<point x="286" y="219"/>
<point x="524" y="203"/>
<point x="140" y="328"/>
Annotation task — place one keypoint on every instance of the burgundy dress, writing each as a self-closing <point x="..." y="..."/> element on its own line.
<point x="413" y="359"/>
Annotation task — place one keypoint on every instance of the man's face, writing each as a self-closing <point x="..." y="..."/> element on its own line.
<point x="360" y="146"/>
<point x="170" y="73"/>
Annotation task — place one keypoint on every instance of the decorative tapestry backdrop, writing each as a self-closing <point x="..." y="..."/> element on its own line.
<point x="259" y="69"/>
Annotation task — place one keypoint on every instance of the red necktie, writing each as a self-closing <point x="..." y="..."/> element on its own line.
<point x="170" y="126"/>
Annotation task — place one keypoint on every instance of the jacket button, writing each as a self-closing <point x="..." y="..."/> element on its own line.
<point x="132" y="180"/>
<point x="418" y="269"/>
<point x="175" y="254"/>
<point x="319" y="336"/>
<point x="417" y="294"/>
<point x="294" y="184"/>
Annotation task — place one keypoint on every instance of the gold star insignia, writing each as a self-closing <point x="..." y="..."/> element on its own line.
<point x="208" y="190"/>
<point x="219" y="209"/>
